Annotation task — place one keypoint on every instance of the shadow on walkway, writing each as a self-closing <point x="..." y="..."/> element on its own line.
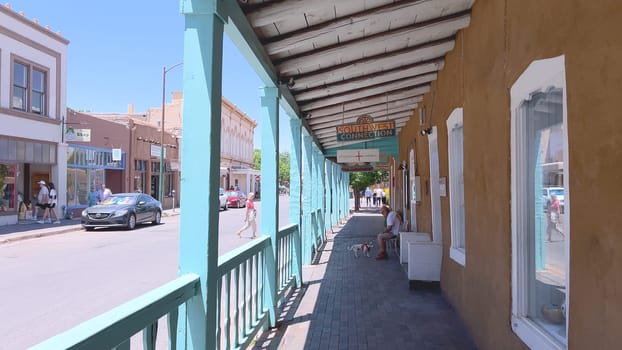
<point x="362" y="303"/>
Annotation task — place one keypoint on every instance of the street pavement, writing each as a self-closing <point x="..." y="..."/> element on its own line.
<point x="27" y="229"/>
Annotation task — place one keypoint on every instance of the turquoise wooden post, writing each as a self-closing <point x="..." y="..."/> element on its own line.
<point x="306" y="199"/>
<point x="333" y="201"/>
<point x="322" y="166"/>
<point x="198" y="241"/>
<point x="295" y="187"/>
<point x="329" y="196"/>
<point x="316" y="195"/>
<point x="341" y="195"/>
<point x="348" y="194"/>
<point x="269" y="191"/>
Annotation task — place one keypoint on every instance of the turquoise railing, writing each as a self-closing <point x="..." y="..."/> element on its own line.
<point x="241" y="311"/>
<point x="114" y="328"/>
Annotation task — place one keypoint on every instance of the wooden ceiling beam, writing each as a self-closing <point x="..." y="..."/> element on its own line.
<point x="403" y="96"/>
<point x="422" y="82"/>
<point x="383" y="107"/>
<point x="376" y="64"/>
<point x="291" y="10"/>
<point x="394" y="16"/>
<point x="374" y="45"/>
<point x="374" y="114"/>
<point x="394" y="75"/>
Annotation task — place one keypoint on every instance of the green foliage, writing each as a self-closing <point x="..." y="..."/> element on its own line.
<point x="257" y="159"/>
<point x="284" y="166"/>
<point x="362" y="180"/>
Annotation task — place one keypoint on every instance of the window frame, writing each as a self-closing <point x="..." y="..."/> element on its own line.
<point x="538" y="75"/>
<point x="30" y="68"/>
<point x="456" y="187"/>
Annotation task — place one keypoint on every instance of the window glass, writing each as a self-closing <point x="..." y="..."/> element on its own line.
<point x="30" y="152"/>
<point x="72" y="194"/>
<point x="45" y="153"/>
<point x="541" y="229"/>
<point x="38" y="103"/>
<point x="37" y="156"/>
<point x="38" y="81"/>
<point x="20" y="75"/>
<point x="21" y="150"/>
<point x="82" y="180"/>
<point x="4" y="146"/>
<point x="19" y="98"/>
<point x="8" y="195"/>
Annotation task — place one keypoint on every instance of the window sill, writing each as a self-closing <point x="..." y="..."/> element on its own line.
<point x="457" y="255"/>
<point x="28" y="115"/>
<point x="533" y="336"/>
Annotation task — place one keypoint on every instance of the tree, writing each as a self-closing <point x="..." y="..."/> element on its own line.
<point x="361" y="180"/>
<point x="284" y="166"/>
<point x="257" y="159"/>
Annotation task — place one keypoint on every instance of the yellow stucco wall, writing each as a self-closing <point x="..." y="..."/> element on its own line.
<point x="504" y="37"/>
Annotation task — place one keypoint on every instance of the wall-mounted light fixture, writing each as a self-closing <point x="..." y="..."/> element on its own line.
<point x="425" y="132"/>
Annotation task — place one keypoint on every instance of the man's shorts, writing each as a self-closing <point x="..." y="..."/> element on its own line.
<point x="48" y="205"/>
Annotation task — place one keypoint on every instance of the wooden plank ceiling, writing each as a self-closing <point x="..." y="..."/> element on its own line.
<point x="342" y="59"/>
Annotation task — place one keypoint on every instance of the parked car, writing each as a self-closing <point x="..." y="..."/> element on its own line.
<point x="222" y="199"/>
<point x="236" y="199"/>
<point x="558" y="192"/>
<point x="123" y="210"/>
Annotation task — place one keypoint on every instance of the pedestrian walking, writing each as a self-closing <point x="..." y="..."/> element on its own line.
<point x="249" y="218"/>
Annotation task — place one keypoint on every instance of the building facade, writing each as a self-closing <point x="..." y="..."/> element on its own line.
<point x="236" y="153"/>
<point x="124" y="154"/>
<point x="526" y="105"/>
<point x="32" y="106"/>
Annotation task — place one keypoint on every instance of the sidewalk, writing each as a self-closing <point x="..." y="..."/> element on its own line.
<point x="364" y="303"/>
<point x="27" y="229"/>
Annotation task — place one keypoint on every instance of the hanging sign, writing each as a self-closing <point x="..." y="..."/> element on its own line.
<point x="78" y="135"/>
<point x="365" y="129"/>
<point x="371" y="155"/>
<point x="116" y="154"/>
<point x="155" y="151"/>
<point x="352" y="168"/>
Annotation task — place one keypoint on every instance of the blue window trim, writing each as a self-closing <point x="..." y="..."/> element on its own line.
<point x="96" y="166"/>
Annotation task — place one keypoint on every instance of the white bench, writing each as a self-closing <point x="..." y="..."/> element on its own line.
<point x="422" y="255"/>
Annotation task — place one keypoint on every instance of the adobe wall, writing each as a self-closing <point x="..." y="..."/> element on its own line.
<point x="501" y="41"/>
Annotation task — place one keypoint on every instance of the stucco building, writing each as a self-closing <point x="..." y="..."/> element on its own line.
<point x="33" y="71"/>
<point x="527" y="101"/>
<point x="136" y="166"/>
<point x="236" y="149"/>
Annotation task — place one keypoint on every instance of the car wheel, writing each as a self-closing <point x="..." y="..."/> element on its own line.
<point x="157" y="218"/>
<point x="131" y="222"/>
<point x="89" y="228"/>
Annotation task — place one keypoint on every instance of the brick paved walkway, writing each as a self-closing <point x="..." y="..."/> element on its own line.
<point x="350" y="303"/>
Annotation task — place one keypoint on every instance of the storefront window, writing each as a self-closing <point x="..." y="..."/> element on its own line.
<point x="8" y="195"/>
<point x="540" y="205"/>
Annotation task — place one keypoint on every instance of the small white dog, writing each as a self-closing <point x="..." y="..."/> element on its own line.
<point x="363" y="247"/>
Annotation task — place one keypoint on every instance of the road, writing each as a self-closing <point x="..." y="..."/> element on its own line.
<point x="51" y="284"/>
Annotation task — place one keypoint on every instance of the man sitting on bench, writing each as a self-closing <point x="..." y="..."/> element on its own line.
<point x="391" y="231"/>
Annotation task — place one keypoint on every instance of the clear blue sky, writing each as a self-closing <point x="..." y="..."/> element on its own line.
<point x="117" y="50"/>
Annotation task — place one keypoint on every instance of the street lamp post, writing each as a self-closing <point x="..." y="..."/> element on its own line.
<point x="164" y="71"/>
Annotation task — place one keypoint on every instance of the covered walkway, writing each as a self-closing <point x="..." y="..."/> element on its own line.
<point x="350" y="303"/>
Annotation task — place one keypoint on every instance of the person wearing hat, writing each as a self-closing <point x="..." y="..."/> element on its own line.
<point x="49" y="207"/>
<point x="42" y="199"/>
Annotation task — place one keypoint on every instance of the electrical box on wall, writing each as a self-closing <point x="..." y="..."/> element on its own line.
<point x="415" y="189"/>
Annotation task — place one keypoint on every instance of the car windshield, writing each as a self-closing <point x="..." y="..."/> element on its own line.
<point x="120" y="200"/>
<point x="232" y="193"/>
<point x="557" y="191"/>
